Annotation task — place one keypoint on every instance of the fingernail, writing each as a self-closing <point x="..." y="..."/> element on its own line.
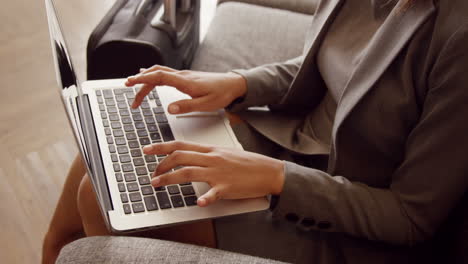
<point x="147" y="148"/>
<point x="174" y="109"/>
<point x="142" y="69"/>
<point x="155" y="181"/>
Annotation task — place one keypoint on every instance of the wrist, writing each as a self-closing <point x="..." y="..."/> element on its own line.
<point x="239" y="85"/>
<point x="278" y="180"/>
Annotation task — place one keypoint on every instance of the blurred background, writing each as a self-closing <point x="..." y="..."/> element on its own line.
<point x="37" y="145"/>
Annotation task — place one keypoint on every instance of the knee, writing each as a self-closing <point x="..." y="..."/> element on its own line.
<point x="86" y="196"/>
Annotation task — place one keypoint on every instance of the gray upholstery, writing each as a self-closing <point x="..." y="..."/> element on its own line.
<point x="300" y="6"/>
<point x="144" y="250"/>
<point x="233" y="42"/>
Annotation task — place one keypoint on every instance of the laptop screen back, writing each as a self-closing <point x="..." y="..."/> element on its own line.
<point x="70" y="91"/>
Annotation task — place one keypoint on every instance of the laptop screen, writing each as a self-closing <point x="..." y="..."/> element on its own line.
<point x="70" y="91"/>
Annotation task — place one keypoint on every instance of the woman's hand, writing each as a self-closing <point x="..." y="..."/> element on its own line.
<point x="209" y="91"/>
<point x="231" y="173"/>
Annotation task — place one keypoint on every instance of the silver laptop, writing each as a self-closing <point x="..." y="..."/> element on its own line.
<point x="111" y="135"/>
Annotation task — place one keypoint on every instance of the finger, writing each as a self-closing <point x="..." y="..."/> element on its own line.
<point x="191" y="105"/>
<point x="138" y="99"/>
<point x="186" y="174"/>
<point x="157" y="68"/>
<point x="169" y="147"/>
<point x="182" y="158"/>
<point x="211" y="196"/>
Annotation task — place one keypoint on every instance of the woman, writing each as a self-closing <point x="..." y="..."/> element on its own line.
<point x="380" y="92"/>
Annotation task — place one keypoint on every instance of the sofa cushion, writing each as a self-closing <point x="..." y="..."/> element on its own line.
<point x="301" y="6"/>
<point x="244" y="36"/>
<point x="144" y="250"/>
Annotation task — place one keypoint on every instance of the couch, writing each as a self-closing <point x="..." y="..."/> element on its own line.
<point x="242" y="34"/>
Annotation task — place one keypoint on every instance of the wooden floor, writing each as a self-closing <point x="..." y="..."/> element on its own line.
<point x="37" y="146"/>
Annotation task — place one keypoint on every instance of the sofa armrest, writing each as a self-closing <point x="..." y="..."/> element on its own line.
<point x="300" y="6"/>
<point x="144" y="250"/>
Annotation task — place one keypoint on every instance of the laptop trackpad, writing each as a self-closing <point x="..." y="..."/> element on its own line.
<point x="209" y="129"/>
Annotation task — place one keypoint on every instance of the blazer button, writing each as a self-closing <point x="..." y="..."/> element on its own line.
<point x="324" y="225"/>
<point x="308" y="222"/>
<point x="292" y="217"/>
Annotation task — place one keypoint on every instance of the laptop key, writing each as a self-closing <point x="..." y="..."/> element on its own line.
<point x="152" y="128"/>
<point x="158" y="110"/>
<point x="141" y="171"/>
<point x="111" y="148"/>
<point x="121" y="187"/>
<point x="112" y="110"/>
<point x="116" y="167"/>
<point x="185" y="183"/>
<point x="120" y="141"/>
<point x="132" y="187"/>
<point x="130" y="177"/>
<point x="114" y="117"/>
<point x="100" y="100"/>
<point x="102" y="108"/>
<point x="152" y="167"/>
<point x="137" y="117"/>
<point x="158" y="102"/>
<point x="151" y="96"/>
<point x="110" y="103"/>
<point x="108" y="131"/>
<point x="125" y="158"/>
<point x="138" y="162"/>
<point x="127" y="120"/>
<point x="160" y="188"/>
<point x="147" y="190"/>
<point x="150" y="158"/>
<point x="161" y="118"/>
<point x="124" y="197"/>
<point x="127" y="167"/>
<point x="150" y="203"/>
<point x="142" y="133"/>
<point x="108" y="94"/>
<point x="145" y="105"/>
<point x="120" y="98"/>
<point x="173" y="189"/>
<point x="133" y="144"/>
<point x="122" y="105"/>
<point x="130" y="95"/>
<point x="129" y="128"/>
<point x="150" y="120"/>
<point x="135" y="197"/>
<point x="116" y="125"/>
<point x="126" y="208"/>
<point x="145" y="180"/>
<point x="139" y="125"/>
<point x="190" y="200"/>
<point x="98" y="93"/>
<point x="131" y="136"/>
<point x="138" y="207"/>
<point x="147" y="112"/>
<point x="110" y="140"/>
<point x="166" y="132"/>
<point x="103" y="115"/>
<point x="187" y="190"/>
<point x="163" y="200"/>
<point x="118" y="177"/>
<point x="145" y="141"/>
<point x="135" y="110"/>
<point x="118" y="133"/>
<point x="122" y="150"/>
<point x="124" y="112"/>
<point x="105" y="123"/>
<point x="114" y="158"/>
<point x="177" y="201"/>
<point x="136" y="153"/>
<point x="155" y="136"/>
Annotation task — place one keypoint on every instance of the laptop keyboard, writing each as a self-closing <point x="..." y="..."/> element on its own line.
<point x="127" y="132"/>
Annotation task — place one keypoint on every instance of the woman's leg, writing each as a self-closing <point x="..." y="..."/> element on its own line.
<point x="65" y="225"/>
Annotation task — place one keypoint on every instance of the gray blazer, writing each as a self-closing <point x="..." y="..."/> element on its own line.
<point x="397" y="164"/>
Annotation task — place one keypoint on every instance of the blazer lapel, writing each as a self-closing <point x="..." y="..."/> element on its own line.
<point x="383" y="49"/>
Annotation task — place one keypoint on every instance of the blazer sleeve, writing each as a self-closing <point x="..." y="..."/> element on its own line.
<point x="427" y="185"/>
<point x="267" y="84"/>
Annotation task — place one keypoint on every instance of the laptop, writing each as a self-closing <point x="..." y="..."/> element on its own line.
<point x="110" y="136"/>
